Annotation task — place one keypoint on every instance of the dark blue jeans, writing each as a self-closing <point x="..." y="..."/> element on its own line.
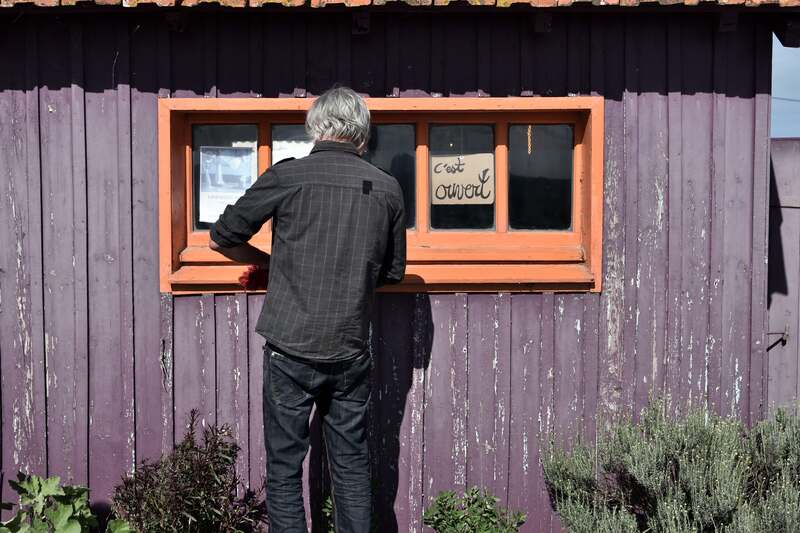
<point x="341" y="392"/>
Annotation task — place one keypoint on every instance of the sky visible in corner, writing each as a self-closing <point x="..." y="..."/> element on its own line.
<point x="785" y="90"/>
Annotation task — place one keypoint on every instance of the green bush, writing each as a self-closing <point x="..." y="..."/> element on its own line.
<point x="191" y="490"/>
<point x="47" y="507"/>
<point x="475" y="512"/>
<point x="699" y="474"/>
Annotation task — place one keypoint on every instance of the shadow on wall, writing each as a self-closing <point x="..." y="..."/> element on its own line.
<point x="401" y="341"/>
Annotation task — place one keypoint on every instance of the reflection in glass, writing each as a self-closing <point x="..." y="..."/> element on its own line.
<point x="540" y="176"/>
<point x="392" y="148"/>
<point x="462" y="176"/>
<point x="224" y="165"/>
<point x="290" y="140"/>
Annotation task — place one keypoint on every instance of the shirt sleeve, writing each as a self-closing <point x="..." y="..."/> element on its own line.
<point x="394" y="263"/>
<point x="240" y="221"/>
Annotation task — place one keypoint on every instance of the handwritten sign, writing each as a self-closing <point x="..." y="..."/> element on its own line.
<point x="463" y="179"/>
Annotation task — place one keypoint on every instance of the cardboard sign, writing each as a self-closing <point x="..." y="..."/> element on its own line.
<point x="462" y="179"/>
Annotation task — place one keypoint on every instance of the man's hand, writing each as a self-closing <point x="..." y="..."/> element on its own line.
<point x="254" y="278"/>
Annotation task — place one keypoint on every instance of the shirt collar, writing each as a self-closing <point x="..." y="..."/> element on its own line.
<point x="335" y="146"/>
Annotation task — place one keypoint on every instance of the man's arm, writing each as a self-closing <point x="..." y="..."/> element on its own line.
<point x="394" y="263"/>
<point x="239" y="222"/>
<point x="243" y="253"/>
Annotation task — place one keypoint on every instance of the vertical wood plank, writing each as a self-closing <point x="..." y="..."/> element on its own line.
<point x="547" y="429"/>
<point x="194" y="367"/>
<point x="255" y="350"/>
<point x="321" y="68"/>
<point x="488" y="392"/>
<point x="674" y="356"/>
<point x="154" y="431"/>
<point x="368" y="59"/>
<point x="460" y="70"/>
<point x="504" y="73"/>
<point x="230" y="318"/>
<point x="63" y="162"/>
<point x="696" y="126"/>
<point x="111" y="380"/>
<point x="652" y="193"/>
<point x="756" y="384"/>
<point x="22" y="366"/>
<point x="630" y="166"/>
<point x="233" y="59"/>
<point x="737" y="230"/>
<point x="607" y="78"/>
<point x="527" y="437"/>
<point x="713" y="347"/>
<point x="568" y="386"/>
<point x="445" y="424"/>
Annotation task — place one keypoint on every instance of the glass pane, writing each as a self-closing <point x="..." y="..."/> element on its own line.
<point x="224" y="165"/>
<point x="540" y="176"/>
<point x="462" y="176"/>
<point x="392" y="149"/>
<point x="290" y="140"/>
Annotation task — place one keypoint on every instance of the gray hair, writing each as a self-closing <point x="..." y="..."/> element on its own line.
<point x="339" y="114"/>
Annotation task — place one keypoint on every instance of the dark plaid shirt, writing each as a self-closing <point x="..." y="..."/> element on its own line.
<point x="338" y="232"/>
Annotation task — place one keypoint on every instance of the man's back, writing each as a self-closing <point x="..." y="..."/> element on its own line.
<point x="338" y="233"/>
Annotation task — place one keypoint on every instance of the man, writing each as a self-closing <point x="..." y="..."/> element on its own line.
<point x="338" y="233"/>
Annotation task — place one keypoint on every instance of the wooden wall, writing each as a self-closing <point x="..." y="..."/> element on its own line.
<point x="99" y="369"/>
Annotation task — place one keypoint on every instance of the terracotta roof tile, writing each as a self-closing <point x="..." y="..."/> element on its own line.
<point x="356" y="3"/>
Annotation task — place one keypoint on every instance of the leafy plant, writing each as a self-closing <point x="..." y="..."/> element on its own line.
<point x="194" y="489"/>
<point x="702" y="473"/>
<point x="476" y="511"/>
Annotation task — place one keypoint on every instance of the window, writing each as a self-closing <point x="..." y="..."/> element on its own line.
<point x="500" y="193"/>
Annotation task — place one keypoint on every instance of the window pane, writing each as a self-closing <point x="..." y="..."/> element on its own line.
<point x="462" y="176"/>
<point x="224" y="165"/>
<point x="540" y="176"/>
<point x="290" y="140"/>
<point x="392" y="149"/>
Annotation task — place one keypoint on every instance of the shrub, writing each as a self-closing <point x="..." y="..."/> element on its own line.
<point x="477" y="511"/>
<point x="191" y="490"/>
<point x="45" y="506"/>
<point x="699" y="474"/>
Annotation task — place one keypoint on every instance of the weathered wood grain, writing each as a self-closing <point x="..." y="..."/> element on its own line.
<point x="233" y="391"/>
<point x="63" y="160"/>
<point x="22" y="367"/>
<point x="446" y="407"/>
<point x="112" y="432"/>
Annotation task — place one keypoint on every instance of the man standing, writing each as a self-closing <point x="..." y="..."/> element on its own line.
<point x="338" y="233"/>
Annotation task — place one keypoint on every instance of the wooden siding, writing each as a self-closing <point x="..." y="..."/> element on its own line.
<point x="784" y="275"/>
<point x="99" y="370"/>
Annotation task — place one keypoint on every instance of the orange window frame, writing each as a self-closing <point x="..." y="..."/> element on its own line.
<point x="438" y="260"/>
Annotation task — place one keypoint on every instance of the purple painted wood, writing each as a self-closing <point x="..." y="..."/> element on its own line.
<point x="738" y="229"/>
<point x="630" y="208"/>
<point x="675" y="242"/>
<point x="233" y="389"/>
<point x="783" y="388"/>
<point x="488" y="392"/>
<point x="685" y="156"/>
<point x="112" y="432"/>
<point x="652" y="194"/>
<point x="255" y="350"/>
<point x="22" y="351"/>
<point x="194" y="361"/>
<point x="608" y="79"/>
<point x="446" y="407"/>
<point x="696" y="205"/>
<point x="755" y="397"/>
<point x="63" y="161"/>
<point x="568" y="367"/>
<point x="528" y="413"/>
<point x="154" y="431"/>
